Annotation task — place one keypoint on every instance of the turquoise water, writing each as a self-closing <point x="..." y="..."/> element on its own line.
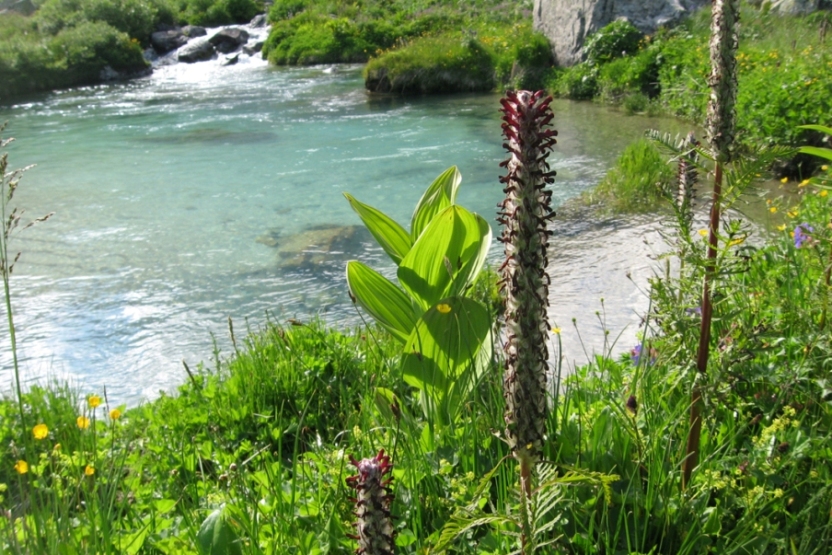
<point x="179" y="200"/>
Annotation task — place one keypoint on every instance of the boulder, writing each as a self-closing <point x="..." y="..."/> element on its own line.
<point x="193" y="31"/>
<point x="198" y="50"/>
<point x="231" y="60"/>
<point x="259" y="21"/>
<point x="793" y="7"/>
<point x="24" y="7"/>
<point x="254" y="48"/>
<point x="567" y="23"/>
<point x="229" y="40"/>
<point x="165" y="41"/>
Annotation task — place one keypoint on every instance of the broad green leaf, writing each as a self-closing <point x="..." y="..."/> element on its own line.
<point x="216" y="536"/>
<point x="825" y="153"/>
<point x="821" y="128"/>
<point x="439" y="195"/>
<point x="441" y="255"/>
<point x="391" y="236"/>
<point x="471" y="268"/>
<point x="443" y="345"/>
<point x="384" y="301"/>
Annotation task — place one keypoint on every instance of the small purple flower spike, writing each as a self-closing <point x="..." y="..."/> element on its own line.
<point x="801" y="234"/>
<point x="376" y="535"/>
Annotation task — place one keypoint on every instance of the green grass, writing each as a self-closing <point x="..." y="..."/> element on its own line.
<point x="637" y="183"/>
<point x="267" y="433"/>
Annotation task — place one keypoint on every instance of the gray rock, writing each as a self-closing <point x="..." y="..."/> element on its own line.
<point x="193" y="31"/>
<point x="231" y="60"/>
<point x="198" y="50"/>
<point x="229" y="40"/>
<point x="25" y="7"/>
<point x="254" y="48"/>
<point x="259" y="21"/>
<point x="165" y="41"/>
<point x="567" y="23"/>
<point x="794" y="7"/>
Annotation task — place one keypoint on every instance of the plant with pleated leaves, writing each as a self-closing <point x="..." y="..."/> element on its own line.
<point x="445" y="334"/>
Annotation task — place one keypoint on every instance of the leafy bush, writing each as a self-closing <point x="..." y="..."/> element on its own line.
<point x="433" y="65"/>
<point x="137" y="18"/>
<point x="637" y="182"/>
<point x="579" y="82"/>
<point x="619" y="38"/>
<point x="526" y="60"/>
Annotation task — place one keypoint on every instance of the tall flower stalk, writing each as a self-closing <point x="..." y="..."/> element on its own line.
<point x="375" y="532"/>
<point x="720" y="129"/>
<point x="524" y="214"/>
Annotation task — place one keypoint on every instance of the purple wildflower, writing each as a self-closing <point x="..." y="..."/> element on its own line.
<point x="801" y="234"/>
<point x="635" y="354"/>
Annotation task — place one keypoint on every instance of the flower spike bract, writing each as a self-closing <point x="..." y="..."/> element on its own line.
<point x="376" y="535"/>
<point x="525" y="213"/>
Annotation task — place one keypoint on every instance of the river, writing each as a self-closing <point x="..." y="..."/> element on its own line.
<point x="185" y="198"/>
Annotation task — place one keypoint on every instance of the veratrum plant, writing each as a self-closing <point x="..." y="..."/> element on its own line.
<point x="375" y="532"/>
<point x="445" y="334"/>
<point x="524" y="214"/>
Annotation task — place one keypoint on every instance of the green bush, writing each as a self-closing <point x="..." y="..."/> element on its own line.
<point x="316" y="40"/>
<point x="637" y="182"/>
<point x="526" y="61"/>
<point x="619" y="38"/>
<point x="579" y="82"/>
<point x="433" y="65"/>
<point x="137" y="18"/>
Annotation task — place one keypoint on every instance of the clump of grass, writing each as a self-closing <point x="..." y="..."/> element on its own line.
<point x="433" y="65"/>
<point x="637" y="183"/>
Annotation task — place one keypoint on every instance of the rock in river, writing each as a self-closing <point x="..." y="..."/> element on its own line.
<point x="229" y="40"/>
<point x="317" y="245"/>
<point x="165" y="41"/>
<point x="198" y="50"/>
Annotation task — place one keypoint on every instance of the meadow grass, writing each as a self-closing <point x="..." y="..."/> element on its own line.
<point x="267" y="434"/>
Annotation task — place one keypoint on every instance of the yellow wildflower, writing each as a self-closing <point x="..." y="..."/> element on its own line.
<point x="443" y="308"/>
<point x="781" y="227"/>
<point x="22" y="467"/>
<point x="773" y="209"/>
<point x="824" y="167"/>
<point x="784" y="180"/>
<point x="83" y="422"/>
<point x="792" y="213"/>
<point x="823" y="193"/>
<point x="556" y="330"/>
<point x="93" y="401"/>
<point x="89" y="471"/>
<point x="803" y="183"/>
<point x="115" y="414"/>
<point x="737" y="241"/>
<point x="703" y="232"/>
<point x="40" y="431"/>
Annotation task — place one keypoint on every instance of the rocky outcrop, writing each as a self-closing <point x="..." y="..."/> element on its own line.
<point x="25" y="7"/>
<point x="567" y="23"/>
<point x="193" y="31"/>
<point x="794" y="7"/>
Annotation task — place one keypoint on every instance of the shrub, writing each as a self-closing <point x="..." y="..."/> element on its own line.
<point x="637" y="181"/>
<point x="619" y="38"/>
<point x="315" y="41"/>
<point x="526" y="61"/>
<point x="433" y="65"/>
<point x="579" y="82"/>
<point x="137" y="18"/>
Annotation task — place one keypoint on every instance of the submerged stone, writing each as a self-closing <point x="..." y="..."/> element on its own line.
<point x="315" y="246"/>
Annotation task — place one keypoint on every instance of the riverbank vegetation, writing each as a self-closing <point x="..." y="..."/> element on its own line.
<point x="414" y="47"/>
<point x="784" y="75"/>
<point x="69" y="43"/>
<point x="251" y="454"/>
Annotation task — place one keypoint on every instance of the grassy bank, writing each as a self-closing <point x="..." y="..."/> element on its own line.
<point x="69" y="43"/>
<point x="266" y="434"/>
<point x="784" y="75"/>
<point x="414" y="47"/>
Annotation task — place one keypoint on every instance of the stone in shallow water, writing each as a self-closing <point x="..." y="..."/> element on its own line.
<point x="229" y="40"/>
<point x="165" y="41"/>
<point x="317" y="245"/>
<point x="198" y="50"/>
